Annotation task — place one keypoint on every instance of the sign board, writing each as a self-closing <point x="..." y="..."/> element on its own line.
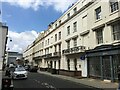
<point x="82" y="57"/>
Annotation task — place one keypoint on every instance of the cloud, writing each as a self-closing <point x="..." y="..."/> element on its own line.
<point x="58" y="5"/>
<point x="20" y="41"/>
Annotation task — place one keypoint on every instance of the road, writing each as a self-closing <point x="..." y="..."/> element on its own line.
<point x="37" y="81"/>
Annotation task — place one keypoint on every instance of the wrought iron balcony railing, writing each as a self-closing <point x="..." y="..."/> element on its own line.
<point x="74" y="50"/>
<point x="47" y="55"/>
<point x="57" y="54"/>
<point x="37" y="58"/>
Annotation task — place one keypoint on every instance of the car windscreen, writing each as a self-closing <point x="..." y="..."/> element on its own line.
<point x="19" y="69"/>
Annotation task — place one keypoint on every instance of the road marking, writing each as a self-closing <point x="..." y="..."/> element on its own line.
<point x="46" y="85"/>
<point x="49" y="86"/>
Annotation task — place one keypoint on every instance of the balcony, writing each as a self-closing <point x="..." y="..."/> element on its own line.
<point x="56" y="54"/>
<point x="47" y="55"/>
<point x="74" y="50"/>
<point x="37" y="58"/>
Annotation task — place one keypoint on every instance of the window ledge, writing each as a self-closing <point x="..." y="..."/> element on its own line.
<point x="74" y="31"/>
<point x="116" y="42"/>
<point x="113" y="12"/>
<point x="100" y="44"/>
<point x="84" y="33"/>
<point x="98" y="20"/>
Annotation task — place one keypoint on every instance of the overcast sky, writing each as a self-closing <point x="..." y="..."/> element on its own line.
<point x="26" y="18"/>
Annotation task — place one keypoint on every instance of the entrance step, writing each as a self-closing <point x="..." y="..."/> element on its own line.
<point x="107" y="81"/>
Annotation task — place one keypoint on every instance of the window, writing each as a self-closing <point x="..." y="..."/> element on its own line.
<point x="116" y="31"/>
<point x="75" y="42"/>
<point x="68" y="15"/>
<point x="42" y="44"/>
<point x="99" y="36"/>
<point x="55" y="48"/>
<point x="55" y="37"/>
<point x="48" y="51"/>
<point x="45" y="51"/>
<point x="68" y="44"/>
<point x="75" y="9"/>
<point x="84" y="22"/>
<point x="114" y="6"/>
<point x="68" y="64"/>
<point x="75" y="64"/>
<point x="55" y="25"/>
<point x="59" y="35"/>
<point x="48" y="41"/>
<point x="98" y="13"/>
<point x="59" y="47"/>
<point x="51" y="39"/>
<point x="75" y="27"/>
<point x="68" y="30"/>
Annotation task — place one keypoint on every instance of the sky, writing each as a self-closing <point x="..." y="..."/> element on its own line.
<point x="26" y="18"/>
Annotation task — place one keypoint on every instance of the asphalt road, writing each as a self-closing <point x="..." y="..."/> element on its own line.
<point x="37" y="81"/>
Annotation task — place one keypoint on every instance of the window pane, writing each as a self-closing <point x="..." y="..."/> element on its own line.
<point x="116" y="31"/>
<point x="99" y="36"/>
<point x="114" y="6"/>
<point x="68" y="30"/>
<point x="75" y="42"/>
<point x="75" y="26"/>
<point x="98" y="13"/>
<point x="59" y="35"/>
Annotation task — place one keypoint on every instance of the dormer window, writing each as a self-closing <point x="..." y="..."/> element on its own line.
<point x="75" y="9"/>
<point x="55" y="25"/>
<point x="59" y="22"/>
<point x="68" y="15"/>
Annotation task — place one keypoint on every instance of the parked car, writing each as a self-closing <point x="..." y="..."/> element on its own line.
<point x="20" y="73"/>
<point x="33" y="68"/>
<point x="27" y="67"/>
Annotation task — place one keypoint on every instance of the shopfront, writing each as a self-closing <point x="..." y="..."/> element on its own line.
<point x="103" y="62"/>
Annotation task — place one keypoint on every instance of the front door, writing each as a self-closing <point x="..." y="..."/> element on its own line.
<point x="106" y="68"/>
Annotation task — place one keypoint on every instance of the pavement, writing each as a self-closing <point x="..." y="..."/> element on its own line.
<point x="87" y="81"/>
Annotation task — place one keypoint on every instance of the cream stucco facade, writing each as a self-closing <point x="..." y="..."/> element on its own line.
<point x="68" y="43"/>
<point x="3" y="40"/>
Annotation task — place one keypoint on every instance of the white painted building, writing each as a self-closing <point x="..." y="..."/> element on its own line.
<point x="84" y="41"/>
<point x="3" y="41"/>
<point x="11" y="57"/>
